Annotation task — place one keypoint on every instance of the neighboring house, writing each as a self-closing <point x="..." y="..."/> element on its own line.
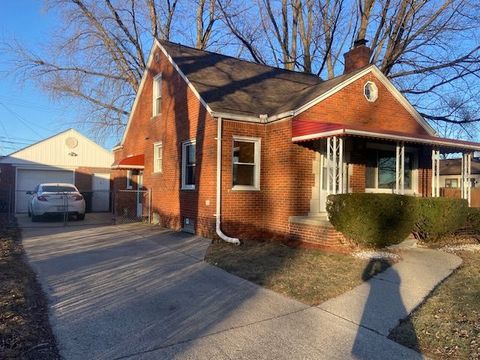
<point x="248" y="151"/>
<point x="67" y="157"/>
<point x="451" y="170"/>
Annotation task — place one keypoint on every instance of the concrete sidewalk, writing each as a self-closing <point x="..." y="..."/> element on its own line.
<point x="380" y="303"/>
<point x="141" y="292"/>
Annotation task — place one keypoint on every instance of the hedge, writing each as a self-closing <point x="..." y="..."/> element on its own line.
<point x="437" y="217"/>
<point x="379" y="220"/>
<point x="372" y="220"/>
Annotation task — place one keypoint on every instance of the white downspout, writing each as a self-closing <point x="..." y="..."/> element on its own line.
<point x="219" y="188"/>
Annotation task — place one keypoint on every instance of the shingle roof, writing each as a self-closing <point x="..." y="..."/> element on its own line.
<point x="233" y="85"/>
<point x="454" y="166"/>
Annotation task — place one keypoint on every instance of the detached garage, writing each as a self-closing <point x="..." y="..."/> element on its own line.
<point x="68" y="157"/>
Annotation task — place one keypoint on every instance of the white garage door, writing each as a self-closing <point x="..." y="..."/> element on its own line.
<point x="27" y="179"/>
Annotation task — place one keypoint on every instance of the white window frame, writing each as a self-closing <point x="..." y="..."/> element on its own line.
<point x="373" y="92"/>
<point x="129" y="180"/>
<point x="157" y="94"/>
<point x="158" y="157"/>
<point x="184" y="163"/>
<point x="257" y="159"/>
<point x="384" y="147"/>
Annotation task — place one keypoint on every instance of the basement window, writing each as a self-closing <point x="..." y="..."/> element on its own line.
<point x="246" y="163"/>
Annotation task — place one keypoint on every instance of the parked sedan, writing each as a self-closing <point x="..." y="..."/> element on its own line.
<point x="56" y="199"/>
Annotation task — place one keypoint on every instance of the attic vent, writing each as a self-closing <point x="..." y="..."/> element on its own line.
<point x="71" y="142"/>
<point x="157" y="57"/>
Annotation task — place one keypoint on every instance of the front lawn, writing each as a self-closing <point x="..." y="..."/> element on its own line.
<point x="24" y="328"/>
<point x="447" y="325"/>
<point x="310" y="276"/>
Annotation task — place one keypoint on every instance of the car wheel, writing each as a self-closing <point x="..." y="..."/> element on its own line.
<point x="29" y="213"/>
<point x="80" y="216"/>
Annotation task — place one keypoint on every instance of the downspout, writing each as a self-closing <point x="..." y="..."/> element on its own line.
<point x="219" y="188"/>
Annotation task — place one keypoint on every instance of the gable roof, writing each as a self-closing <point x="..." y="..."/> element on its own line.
<point x="228" y="85"/>
<point x="35" y="153"/>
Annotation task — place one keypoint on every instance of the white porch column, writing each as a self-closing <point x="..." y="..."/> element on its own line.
<point x="466" y="176"/>
<point x="436" y="173"/>
<point x="400" y="168"/>
<point x="334" y="166"/>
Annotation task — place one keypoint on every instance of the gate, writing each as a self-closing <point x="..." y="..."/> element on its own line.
<point x="132" y="206"/>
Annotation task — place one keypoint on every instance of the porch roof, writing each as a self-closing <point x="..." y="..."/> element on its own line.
<point x="130" y="162"/>
<point x="303" y="130"/>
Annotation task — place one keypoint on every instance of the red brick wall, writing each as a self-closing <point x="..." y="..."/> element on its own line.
<point x="7" y="187"/>
<point x="84" y="177"/>
<point x="286" y="168"/>
<point x="183" y="118"/>
<point x="349" y="106"/>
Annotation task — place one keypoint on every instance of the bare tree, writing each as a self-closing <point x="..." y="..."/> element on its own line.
<point x="429" y="48"/>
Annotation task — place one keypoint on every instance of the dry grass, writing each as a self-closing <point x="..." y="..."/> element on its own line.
<point x="447" y="325"/>
<point x="24" y="328"/>
<point x="310" y="276"/>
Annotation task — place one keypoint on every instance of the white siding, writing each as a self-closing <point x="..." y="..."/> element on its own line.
<point x="54" y="152"/>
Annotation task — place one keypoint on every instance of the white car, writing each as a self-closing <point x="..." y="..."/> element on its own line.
<point x="56" y="198"/>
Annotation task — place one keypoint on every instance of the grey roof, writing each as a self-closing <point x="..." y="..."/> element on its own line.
<point x="233" y="85"/>
<point x="454" y="166"/>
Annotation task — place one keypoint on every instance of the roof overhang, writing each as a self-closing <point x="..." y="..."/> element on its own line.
<point x="309" y="130"/>
<point x="135" y="162"/>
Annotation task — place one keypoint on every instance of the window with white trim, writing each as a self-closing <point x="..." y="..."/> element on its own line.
<point x="158" y="157"/>
<point x="157" y="95"/>
<point x="381" y="169"/>
<point x="129" y="179"/>
<point x="246" y="163"/>
<point x="451" y="183"/>
<point x="189" y="165"/>
<point x="370" y="91"/>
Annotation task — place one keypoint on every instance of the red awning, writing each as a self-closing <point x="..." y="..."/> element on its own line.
<point x="131" y="162"/>
<point x="312" y="130"/>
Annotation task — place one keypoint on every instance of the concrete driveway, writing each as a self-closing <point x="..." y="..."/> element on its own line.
<point x="141" y="292"/>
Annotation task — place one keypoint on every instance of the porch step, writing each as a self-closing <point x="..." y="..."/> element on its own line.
<point x="320" y="219"/>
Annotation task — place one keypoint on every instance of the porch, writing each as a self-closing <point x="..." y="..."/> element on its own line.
<point x="349" y="160"/>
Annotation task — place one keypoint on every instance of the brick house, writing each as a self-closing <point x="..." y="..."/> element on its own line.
<point x="66" y="157"/>
<point x="245" y="151"/>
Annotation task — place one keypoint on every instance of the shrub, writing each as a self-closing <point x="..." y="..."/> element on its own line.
<point x="437" y="217"/>
<point x="472" y="223"/>
<point x="372" y="220"/>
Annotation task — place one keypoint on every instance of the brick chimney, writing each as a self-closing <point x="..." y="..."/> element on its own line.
<point x="358" y="56"/>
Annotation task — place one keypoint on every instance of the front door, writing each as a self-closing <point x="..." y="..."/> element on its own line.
<point x="323" y="184"/>
<point x="140" y="194"/>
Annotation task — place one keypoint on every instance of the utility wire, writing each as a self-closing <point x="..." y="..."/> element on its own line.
<point x="25" y="122"/>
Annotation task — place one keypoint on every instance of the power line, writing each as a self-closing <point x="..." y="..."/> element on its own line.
<point x="25" y="122"/>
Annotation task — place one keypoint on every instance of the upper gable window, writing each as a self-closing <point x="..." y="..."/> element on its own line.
<point x="370" y="91"/>
<point x="157" y="95"/>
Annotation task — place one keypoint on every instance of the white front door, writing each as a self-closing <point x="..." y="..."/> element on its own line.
<point x="140" y="194"/>
<point x="101" y="192"/>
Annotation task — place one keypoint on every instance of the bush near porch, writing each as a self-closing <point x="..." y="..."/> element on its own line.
<point x="372" y="220"/>
<point x="379" y="220"/>
<point x="437" y="217"/>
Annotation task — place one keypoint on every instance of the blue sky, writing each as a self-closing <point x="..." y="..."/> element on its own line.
<point x="26" y="113"/>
